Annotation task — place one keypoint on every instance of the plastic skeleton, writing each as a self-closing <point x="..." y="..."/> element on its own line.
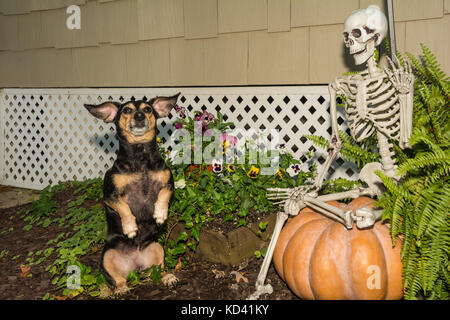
<point x="378" y="101"/>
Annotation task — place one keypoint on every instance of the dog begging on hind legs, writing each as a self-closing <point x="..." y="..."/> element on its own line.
<point x="378" y="101"/>
<point x="136" y="191"/>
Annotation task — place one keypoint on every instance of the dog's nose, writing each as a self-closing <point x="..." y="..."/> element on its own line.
<point x="139" y="116"/>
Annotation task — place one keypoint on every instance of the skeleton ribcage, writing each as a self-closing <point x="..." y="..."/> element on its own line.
<point x="372" y="104"/>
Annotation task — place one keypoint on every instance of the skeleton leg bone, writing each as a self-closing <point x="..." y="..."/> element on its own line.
<point x="260" y="287"/>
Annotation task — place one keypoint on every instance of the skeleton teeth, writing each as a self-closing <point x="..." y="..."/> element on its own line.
<point x="356" y="50"/>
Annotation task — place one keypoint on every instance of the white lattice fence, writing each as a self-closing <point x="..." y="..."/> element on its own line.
<point x="47" y="136"/>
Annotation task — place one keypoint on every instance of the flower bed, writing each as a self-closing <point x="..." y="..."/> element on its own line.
<point x="224" y="191"/>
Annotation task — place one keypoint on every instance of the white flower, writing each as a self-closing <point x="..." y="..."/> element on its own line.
<point x="282" y="148"/>
<point x="173" y="154"/>
<point x="180" y="184"/>
<point x="293" y="170"/>
<point x="217" y="165"/>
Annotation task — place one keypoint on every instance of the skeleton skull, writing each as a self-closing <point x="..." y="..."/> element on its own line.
<point x="364" y="29"/>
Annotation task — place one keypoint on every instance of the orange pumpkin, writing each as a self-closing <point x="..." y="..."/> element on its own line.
<point x="320" y="259"/>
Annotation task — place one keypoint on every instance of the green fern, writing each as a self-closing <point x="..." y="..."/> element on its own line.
<point x="352" y="151"/>
<point x="418" y="208"/>
<point x="339" y="185"/>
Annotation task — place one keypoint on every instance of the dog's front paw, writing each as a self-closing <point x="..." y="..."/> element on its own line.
<point x="169" y="280"/>
<point x="160" y="214"/>
<point x="129" y="227"/>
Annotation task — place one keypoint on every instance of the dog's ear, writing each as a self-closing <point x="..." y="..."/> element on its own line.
<point x="106" y="111"/>
<point x="163" y="105"/>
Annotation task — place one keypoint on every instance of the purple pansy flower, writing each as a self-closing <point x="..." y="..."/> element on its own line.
<point x="180" y="111"/>
<point x="179" y="125"/>
<point x="217" y="167"/>
<point x="202" y="121"/>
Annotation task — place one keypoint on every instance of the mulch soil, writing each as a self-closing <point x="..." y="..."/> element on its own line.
<point x="198" y="280"/>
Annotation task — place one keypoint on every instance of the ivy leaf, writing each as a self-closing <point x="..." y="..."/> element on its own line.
<point x="155" y="275"/>
<point x="179" y="249"/>
<point x="241" y="223"/>
<point x="228" y="217"/>
<point x="263" y="225"/>
<point x="182" y="237"/>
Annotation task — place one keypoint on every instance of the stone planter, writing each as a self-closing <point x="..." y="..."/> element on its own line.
<point x="233" y="247"/>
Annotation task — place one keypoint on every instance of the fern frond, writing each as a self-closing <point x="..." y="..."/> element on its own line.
<point x="439" y="212"/>
<point x="394" y="188"/>
<point x="318" y="141"/>
<point x="359" y="154"/>
<point x="431" y="63"/>
<point x="429" y="206"/>
<point x="419" y="70"/>
<point x="426" y="160"/>
<point x="412" y="273"/>
<point x="432" y="257"/>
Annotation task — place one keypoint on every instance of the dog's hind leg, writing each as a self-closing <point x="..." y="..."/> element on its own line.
<point x="153" y="255"/>
<point x="118" y="265"/>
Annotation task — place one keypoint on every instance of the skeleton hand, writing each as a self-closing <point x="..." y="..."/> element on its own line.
<point x="291" y="193"/>
<point x="292" y="198"/>
<point x="336" y="84"/>
<point x="401" y="77"/>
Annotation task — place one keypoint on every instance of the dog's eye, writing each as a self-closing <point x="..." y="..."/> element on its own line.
<point x="147" y="110"/>
<point x="127" y="110"/>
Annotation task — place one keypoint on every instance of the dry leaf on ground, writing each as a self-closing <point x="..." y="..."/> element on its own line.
<point x="239" y="276"/>
<point x="179" y="265"/>
<point x="219" y="274"/>
<point x="24" y="271"/>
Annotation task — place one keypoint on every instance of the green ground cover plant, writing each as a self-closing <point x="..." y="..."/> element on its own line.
<point x="203" y="194"/>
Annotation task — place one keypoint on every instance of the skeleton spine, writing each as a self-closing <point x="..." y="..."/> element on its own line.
<point x="387" y="161"/>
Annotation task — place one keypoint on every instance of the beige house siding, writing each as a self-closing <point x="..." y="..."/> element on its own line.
<point x="196" y="42"/>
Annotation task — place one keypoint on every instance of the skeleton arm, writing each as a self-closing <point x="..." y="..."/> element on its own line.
<point x="406" y="112"/>
<point x="403" y="80"/>
<point x="335" y="143"/>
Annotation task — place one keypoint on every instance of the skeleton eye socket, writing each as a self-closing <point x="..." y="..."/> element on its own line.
<point x="345" y="36"/>
<point x="356" y="33"/>
<point x="368" y="30"/>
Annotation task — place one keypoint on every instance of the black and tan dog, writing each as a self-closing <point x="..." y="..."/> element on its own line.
<point x="136" y="191"/>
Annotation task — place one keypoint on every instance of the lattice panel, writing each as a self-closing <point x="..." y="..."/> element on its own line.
<point x="48" y="136"/>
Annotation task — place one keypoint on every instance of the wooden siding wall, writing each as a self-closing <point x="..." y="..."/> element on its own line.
<point x="196" y="42"/>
